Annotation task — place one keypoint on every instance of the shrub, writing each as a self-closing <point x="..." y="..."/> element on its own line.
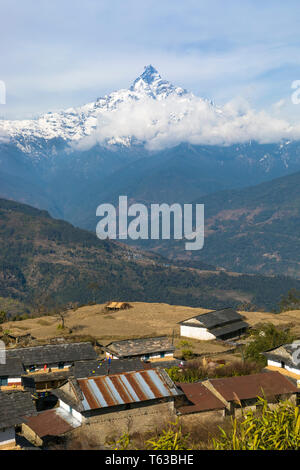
<point x="271" y="429"/>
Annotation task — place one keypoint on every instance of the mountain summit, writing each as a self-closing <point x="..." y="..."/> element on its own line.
<point x="151" y="83"/>
<point x="76" y="123"/>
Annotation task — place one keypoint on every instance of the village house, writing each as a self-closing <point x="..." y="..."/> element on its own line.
<point x="114" y="306"/>
<point x="216" y="398"/>
<point x="14" y="408"/>
<point x="107" y="404"/>
<point x="49" y="426"/>
<point x="243" y="391"/>
<point x="147" y="349"/>
<point x="219" y="324"/>
<point x="286" y="360"/>
<point x="49" y="365"/>
<point x="11" y="374"/>
<point x="199" y="404"/>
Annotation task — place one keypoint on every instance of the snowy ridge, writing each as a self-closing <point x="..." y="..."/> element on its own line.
<point x="152" y="112"/>
<point x="75" y="123"/>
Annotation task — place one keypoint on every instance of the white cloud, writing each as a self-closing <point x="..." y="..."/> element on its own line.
<point x="170" y="121"/>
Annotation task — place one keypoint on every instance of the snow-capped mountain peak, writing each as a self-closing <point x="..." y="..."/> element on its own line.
<point x="76" y="123"/>
<point x="151" y="83"/>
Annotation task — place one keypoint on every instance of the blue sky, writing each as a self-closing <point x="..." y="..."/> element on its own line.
<point x="56" y="54"/>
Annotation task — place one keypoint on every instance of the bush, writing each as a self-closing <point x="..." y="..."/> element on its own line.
<point x="271" y="429"/>
<point x="266" y="336"/>
<point x="196" y="370"/>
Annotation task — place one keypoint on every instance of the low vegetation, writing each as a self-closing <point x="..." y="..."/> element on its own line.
<point x="266" y="336"/>
<point x="197" y="370"/>
<point x="269" y="429"/>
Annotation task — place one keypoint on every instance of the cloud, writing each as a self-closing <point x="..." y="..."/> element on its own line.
<point x="165" y="123"/>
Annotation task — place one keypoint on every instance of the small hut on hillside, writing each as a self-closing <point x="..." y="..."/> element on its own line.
<point x="117" y="306"/>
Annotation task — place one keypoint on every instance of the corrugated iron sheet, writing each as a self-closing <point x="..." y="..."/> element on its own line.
<point x="130" y="387"/>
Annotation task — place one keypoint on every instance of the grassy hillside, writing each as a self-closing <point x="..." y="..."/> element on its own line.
<point x="48" y="261"/>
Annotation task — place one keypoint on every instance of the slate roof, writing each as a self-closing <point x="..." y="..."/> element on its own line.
<point x="284" y="353"/>
<point x="215" y="318"/>
<point x="83" y="369"/>
<point x="245" y="387"/>
<point x="201" y="398"/>
<point x="230" y="328"/>
<point x="140" y="346"/>
<point x="14" y="406"/>
<point x="13" y="367"/>
<point x="53" y="353"/>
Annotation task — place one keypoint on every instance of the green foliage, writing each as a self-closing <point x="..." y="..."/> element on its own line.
<point x="171" y="438"/>
<point x="45" y="261"/>
<point x="187" y="354"/>
<point x="3" y="317"/>
<point x="291" y="301"/>
<point x="122" y="443"/>
<point x="196" y="370"/>
<point x="266" y="336"/>
<point x="270" y="429"/>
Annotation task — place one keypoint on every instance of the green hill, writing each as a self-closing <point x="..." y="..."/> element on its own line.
<point x="48" y="261"/>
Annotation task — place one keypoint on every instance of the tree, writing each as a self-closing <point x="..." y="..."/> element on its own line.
<point x="3" y="316"/>
<point x="291" y="301"/>
<point x="266" y="336"/>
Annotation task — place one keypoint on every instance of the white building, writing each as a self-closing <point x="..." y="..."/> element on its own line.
<point x="285" y="359"/>
<point x="218" y="324"/>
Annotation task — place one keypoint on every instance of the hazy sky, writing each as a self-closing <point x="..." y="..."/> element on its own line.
<point x="56" y="54"/>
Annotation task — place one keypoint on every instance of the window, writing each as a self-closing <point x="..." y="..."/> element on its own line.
<point x="162" y="354"/>
<point x="282" y="365"/>
<point x="31" y="368"/>
<point x="61" y="365"/>
<point x="3" y="381"/>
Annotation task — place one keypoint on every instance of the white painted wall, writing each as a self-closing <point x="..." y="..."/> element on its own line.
<point x="288" y="368"/>
<point x="17" y="380"/>
<point x="73" y="412"/>
<point x="195" y="332"/>
<point x="7" y="436"/>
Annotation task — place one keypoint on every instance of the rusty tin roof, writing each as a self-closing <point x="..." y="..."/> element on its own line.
<point x="130" y="387"/>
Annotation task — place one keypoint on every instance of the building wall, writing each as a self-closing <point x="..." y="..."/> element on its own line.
<point x="73" y="412"/>
<point x="197" y="333"/>
<point x="194" y="419"/>
<point x="288" y="368"/>
<point x="31" y="436"/>
<point x="103" y="428"/>
<point x="7" y="436"/>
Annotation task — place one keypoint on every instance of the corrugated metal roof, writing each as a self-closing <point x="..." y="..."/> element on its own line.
<point x="254" y="385"/>
<point x="131" y="387"/>
<point x="52" y="422"/>
<point x="201" y="398"/>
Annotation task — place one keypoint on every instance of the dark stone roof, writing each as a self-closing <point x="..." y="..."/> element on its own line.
<point x="230" y="328"/>
<point x="14" y="406"/>
<point x="13" y="367"/>
<point x="82" y="369"/>
<point x="215" y="318"/>
<point x="140" y="346"/>
<point x="53" y="353"/>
